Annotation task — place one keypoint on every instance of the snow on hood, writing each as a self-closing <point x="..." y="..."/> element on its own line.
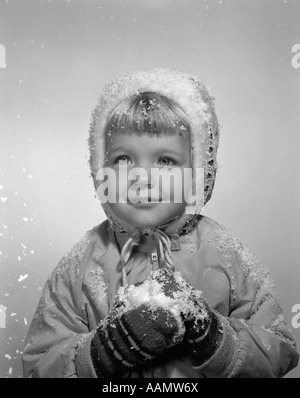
<point x="196" y="101"/>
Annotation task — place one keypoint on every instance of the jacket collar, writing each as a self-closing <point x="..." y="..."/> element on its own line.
<point x="147" y="244"/>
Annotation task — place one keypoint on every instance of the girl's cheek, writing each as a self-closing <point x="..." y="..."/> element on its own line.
<point x="173" y="192"/>
<point x="122" y="189"/>
<point x="179" y="192"/>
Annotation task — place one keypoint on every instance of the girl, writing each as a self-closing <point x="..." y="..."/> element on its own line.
<point x="156" y="290"/>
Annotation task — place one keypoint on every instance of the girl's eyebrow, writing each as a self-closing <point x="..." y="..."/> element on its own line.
<point x="168" y="150"/>
<point x="119" y="148"/>
<point x="159" y="151"/>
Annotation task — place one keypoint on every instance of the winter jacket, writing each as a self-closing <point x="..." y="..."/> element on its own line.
<point x="256" y="343"/>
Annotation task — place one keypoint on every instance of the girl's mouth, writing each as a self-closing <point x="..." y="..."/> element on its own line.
<point x="144" y="202"/>
<point x="145" y="205"/>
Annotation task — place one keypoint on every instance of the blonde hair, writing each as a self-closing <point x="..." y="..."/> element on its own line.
<point x="147" y="113"/>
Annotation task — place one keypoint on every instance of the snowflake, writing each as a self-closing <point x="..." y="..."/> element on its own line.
<point x="22" y="277"/>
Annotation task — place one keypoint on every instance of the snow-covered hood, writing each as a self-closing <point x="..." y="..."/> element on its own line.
<point x="196" y="101"/>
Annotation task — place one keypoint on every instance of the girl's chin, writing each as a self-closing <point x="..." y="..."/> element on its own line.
<point x="147" y="217"/>
<point x="146" y="223"/>
<point x="149" y="222"/>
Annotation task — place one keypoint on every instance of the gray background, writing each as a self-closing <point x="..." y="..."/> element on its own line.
<point x="59" y="55"/>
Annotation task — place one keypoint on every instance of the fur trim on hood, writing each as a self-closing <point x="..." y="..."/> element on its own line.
<point x="196" y="101"/>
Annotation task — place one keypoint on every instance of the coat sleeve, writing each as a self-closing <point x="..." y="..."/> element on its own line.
<point x="257" y="342"/>
<point x="59" y="328"/>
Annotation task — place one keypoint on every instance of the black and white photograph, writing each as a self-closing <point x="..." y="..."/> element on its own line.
<point x="149" y="191"/>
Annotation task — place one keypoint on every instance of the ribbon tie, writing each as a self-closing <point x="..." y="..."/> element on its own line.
<point x="164" y="247"/>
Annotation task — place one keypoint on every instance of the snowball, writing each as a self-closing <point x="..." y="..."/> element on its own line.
<point x="163" y="289"/>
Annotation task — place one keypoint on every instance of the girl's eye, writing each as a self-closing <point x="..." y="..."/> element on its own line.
<point x="164" y="161"/>
<point x="122" y="160"/>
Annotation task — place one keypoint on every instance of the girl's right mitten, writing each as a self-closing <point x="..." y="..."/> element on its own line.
<point x="133" y="339"/>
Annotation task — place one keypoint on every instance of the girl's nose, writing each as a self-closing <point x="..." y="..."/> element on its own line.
<point x="142" y="175"/>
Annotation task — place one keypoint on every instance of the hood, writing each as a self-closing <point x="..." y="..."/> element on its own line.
<point x="196" y="101"/>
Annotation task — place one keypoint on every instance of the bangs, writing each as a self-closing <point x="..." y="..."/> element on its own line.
<point x="148" y="113"/>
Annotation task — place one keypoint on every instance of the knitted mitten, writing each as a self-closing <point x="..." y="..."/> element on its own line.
<point x="133" y="339"/>
<point x="203" y="328"/>
<point x="203" y="332"/>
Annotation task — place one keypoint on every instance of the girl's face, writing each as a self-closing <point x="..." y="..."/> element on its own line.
<point x="148" y="202"/>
